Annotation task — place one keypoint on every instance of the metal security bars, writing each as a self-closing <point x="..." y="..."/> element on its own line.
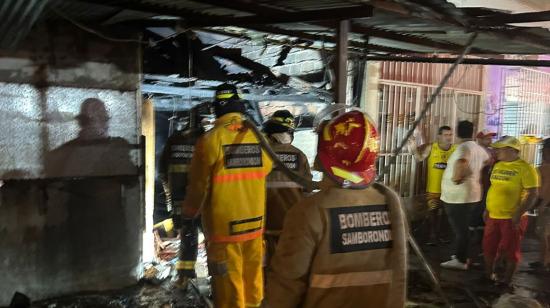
<point x="526" y="102"/>
<point x="525" y="111"/>
<point x="400" y="100"/>
<point x="398" y="106"/>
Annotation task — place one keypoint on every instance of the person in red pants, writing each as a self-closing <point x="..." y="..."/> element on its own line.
<point x="513" y="191"/>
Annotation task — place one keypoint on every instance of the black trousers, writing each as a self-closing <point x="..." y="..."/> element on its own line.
<point x="459" y="219"/>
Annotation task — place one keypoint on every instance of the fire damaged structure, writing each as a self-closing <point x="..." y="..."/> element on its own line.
<point x="90" y="90"/>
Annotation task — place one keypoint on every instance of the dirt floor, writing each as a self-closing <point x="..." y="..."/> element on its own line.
<point x="140" y="296"/>
<point x="462" y="288"/>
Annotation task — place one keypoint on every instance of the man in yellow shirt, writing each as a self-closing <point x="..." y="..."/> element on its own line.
<point x="437" y="154"/>
<point x="513" y="191"/>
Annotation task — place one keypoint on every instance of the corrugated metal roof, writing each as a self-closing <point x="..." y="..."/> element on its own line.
<point x="399" y="26"/>
<point x="18" y="17"/>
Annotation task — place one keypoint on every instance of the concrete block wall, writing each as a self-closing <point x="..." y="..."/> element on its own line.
<point x="71" y="204"/>
<point x="298" y="61"/>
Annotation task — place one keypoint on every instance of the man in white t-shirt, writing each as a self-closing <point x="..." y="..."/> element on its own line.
<point x="461" y="190"/>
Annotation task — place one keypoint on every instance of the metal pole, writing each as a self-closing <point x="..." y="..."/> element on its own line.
<point x="428" y="268"/>
<point x="341" y="61"/>
<point x="432" y="99"/>
<point x="411" y="240"/>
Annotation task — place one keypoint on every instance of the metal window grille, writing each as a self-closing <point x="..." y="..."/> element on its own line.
<point x="403" y="92"/>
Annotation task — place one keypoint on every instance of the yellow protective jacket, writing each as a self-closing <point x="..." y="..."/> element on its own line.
<point x="282" y="193"/>
<point x="341" y="248"/>
<point x="175" y="159"/>
<point x="227" y="182"/>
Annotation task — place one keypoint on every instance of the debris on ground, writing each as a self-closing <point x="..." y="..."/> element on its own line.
<point x="516" y="301"/>
<point x="467" y="288"/>
<point x="157" y="273"/>
<point x="157" y="288"/>
<point x="143" y="295"/>
<point x="464" y="289"/>
<point x="166" y="248"/>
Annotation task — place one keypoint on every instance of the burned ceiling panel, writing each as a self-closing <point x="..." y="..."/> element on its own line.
<point x="433" y="26"/>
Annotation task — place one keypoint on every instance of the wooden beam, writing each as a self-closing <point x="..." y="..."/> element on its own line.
<point x="341" y="70"/>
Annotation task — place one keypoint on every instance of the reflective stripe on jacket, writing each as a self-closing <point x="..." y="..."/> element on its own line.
<point x="282" y="193"/>
<point x="341" y="248"/>
<point x="227" y="180"/>
<point x="176" y="156"/>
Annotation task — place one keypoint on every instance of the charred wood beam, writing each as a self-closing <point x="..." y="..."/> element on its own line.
<point x="283" y="55"/>
<point x="501" y="19"/>
<point x="506" y="62"/>
<point x="256" y="67"/>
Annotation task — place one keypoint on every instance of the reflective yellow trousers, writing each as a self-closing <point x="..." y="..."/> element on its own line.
<point x="236" y="269"/>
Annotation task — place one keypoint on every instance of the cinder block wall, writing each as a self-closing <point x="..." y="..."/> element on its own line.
<point x="70" y="208"/>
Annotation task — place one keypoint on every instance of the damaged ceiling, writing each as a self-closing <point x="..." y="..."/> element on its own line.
<point x="378" y="29"/>
<point x="377" y="26"/>
<point x="398" y="26"/>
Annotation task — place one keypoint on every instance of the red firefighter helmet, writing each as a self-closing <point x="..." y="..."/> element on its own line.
<point x="348" y="148"/>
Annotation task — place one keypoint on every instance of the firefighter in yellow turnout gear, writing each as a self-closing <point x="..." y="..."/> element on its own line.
<point x="282" y="192"/>
<point x="227" y="186"/>
<point x="344" y="246"/>
<point x="173" y="168"/>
